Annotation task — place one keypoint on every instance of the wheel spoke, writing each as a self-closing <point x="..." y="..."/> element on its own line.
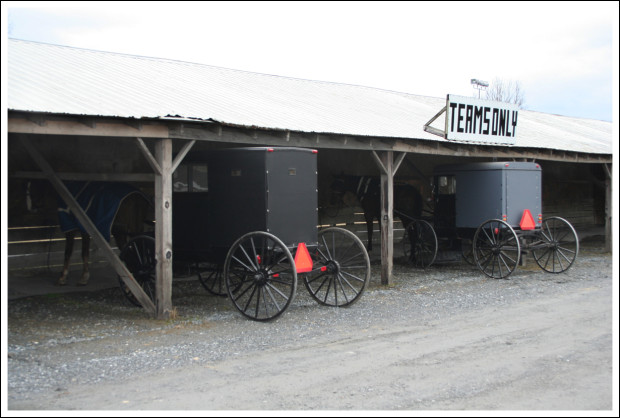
<point x="329" y="286"/>
<point x="562" y="250"/>
<point x="317" y="277"/>
<point x="252" y="260"/>
<point x="487" y="258"/>
<point x="359" y="279"/>
<point x="253" y="287"/>
<point x="328" y="256"/>
<point x="344" y="279"/>
<point x="211" y="278"/>
<point x="242" y="264"/>
<point x="490" y="238"/>
<point x="239" y="285"/>
<point x="270" y="287"/>
<point x="502" y="257"/>
<point x="549" y="256"/>
<point x="558" y="259"/>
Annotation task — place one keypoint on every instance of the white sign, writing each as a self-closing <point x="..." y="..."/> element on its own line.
<point x="471" y="119"/>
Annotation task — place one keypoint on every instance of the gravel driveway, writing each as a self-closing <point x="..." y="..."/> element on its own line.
<point x="443" y="338"/>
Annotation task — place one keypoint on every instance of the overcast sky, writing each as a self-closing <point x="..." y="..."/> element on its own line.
<point x="563" y="54"/>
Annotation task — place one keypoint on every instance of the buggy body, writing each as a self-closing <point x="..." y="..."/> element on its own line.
<point x="221" y="195"/>
<point x="468" y="194"/>
<point x="492" y="212"/>
<point x="245" y="221"/>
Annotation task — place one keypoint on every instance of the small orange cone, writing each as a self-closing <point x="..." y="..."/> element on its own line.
<point x="527" y="221"/>
<point x="303" y="261"/>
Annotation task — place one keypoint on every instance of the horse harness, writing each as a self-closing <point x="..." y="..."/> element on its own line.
<point x="362" y="187"/>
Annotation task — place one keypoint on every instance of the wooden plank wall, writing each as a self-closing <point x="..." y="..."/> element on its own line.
<point x="352" y="219"/>
<point x="573" y="201"/>
<point x="574" y="192"/>
<point x="33" y="250"/>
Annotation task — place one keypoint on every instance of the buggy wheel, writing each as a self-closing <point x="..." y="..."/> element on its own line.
<point x="558" y="246"/>
<point x="139" y="257"/>
<point x="260" y="276"/>
<point x="420" y="244"/>
<point x="341" y="268"/>
<point x="468" y="252"/>
<point x="496" y="249"/>
<point x="211" y="278"/>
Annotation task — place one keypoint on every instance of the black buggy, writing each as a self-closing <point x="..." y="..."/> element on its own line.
<point x="245" y="221"/>
<point x="492" y="213"/>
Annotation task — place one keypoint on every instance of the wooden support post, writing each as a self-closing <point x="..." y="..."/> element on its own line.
<point x="163" y="228"/>
<point x="608" y="208"/>
<point x="385" y="161"/>
<point x="90" y="227"/>
<point x="387" y="214"/>
<point x="164" y="167"/>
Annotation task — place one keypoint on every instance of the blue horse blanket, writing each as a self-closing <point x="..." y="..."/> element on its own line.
<point x="100" y="201"/>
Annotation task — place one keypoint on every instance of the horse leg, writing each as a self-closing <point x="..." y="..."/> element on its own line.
<point x="69" y="238"/>
<point x="412" y="236"/>
<point x="85" y="252"/>
<point x="369" y="228"/>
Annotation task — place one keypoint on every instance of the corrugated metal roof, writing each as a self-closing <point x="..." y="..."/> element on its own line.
<point x="66" y="80"/>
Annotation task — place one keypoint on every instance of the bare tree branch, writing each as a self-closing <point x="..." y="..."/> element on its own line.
<point x="506" y="91"/>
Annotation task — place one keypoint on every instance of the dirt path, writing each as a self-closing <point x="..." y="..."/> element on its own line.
<point x="552" y="351"/>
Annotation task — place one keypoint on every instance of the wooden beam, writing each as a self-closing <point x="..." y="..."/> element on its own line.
<point x="43" y="124"/>
<point x="608" y="208"/>
<point x="386" y="221"/>
<point x="238" y="135"/>
<point x="90" y="227"/>
<point x="37" y="119"/>
<point x="164" y="166"/>
<point x="65" y="127"/>
<point x="133" y="123"/>
<point x="379" y="162"/>
<point x="127" y="177"/>
<point x="179" y="158"/>
<point x="388" y="167"/>
<point x="89" y="122"/>
<point x="163" y="229"/>
<point x="149" y="157"/>
<point x="398" y="162"/>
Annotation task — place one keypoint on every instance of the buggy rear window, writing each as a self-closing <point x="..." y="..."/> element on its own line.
<point x="446" y="185"/>
<point x="189" y="178"/>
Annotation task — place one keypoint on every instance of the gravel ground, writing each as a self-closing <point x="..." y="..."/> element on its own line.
<point x="61" y="345"/>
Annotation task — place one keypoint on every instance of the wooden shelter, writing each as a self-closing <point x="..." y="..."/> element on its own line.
<point x="118" y="117"/>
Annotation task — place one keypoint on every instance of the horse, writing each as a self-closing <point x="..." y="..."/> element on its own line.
<point x="116" y="209"/>
<point x="408" y="202"/>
